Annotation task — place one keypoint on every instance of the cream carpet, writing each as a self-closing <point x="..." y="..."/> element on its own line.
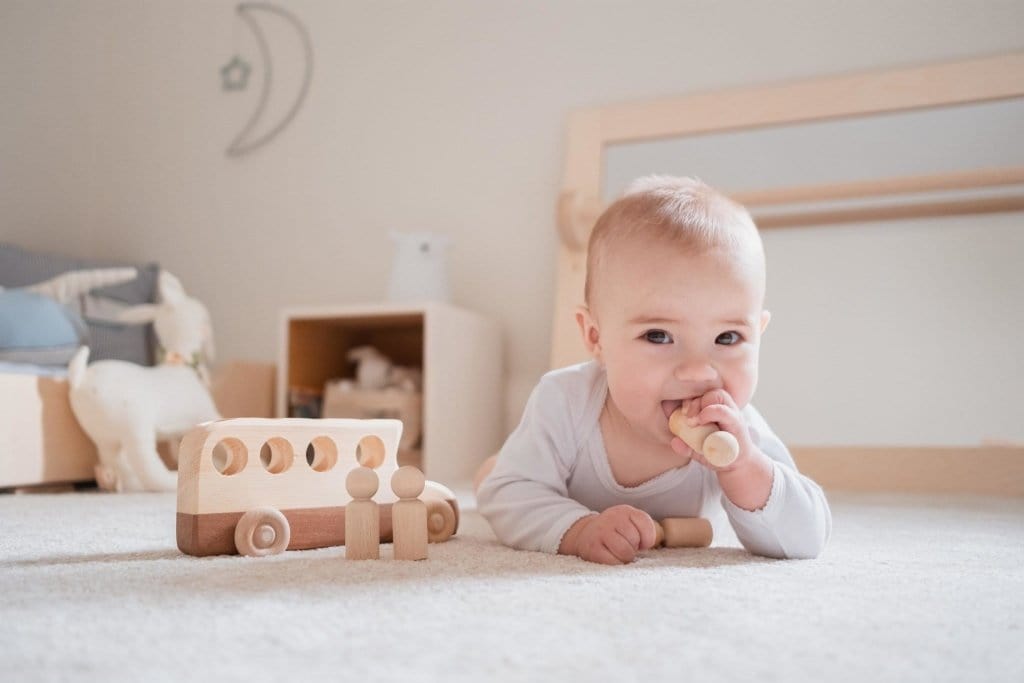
<point x="910" y="589"/>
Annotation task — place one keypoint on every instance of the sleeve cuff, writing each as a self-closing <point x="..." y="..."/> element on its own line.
<point x="770" y="511"/>
<point x="553" y="540"/>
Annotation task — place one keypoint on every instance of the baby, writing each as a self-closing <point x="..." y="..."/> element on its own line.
<point x="673" y="317"/>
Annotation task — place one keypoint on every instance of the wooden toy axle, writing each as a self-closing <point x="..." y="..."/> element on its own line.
<point x="683" y="532"/>
<point x="718" y="447"/>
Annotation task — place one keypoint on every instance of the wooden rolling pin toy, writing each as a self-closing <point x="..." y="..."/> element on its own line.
<point x="718" y="447"/>
<point x="683" y="532"/>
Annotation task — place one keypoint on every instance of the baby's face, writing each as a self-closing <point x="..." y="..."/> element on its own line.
<point x="672" y="326"/>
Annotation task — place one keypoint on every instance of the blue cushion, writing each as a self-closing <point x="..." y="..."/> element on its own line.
<point x="36" y="329"/>
<point x="107" y="338"/>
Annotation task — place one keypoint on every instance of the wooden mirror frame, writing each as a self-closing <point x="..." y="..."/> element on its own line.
<point x="985" y="469"/>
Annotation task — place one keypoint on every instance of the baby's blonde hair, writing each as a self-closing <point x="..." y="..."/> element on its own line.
<point x="680" y="211"/>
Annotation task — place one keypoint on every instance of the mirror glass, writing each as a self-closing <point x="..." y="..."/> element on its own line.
<point x="920" y="142"/>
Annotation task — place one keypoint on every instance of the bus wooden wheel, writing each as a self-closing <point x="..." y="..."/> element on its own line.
<point x="263" y="531"/>
<point x="440" y="521"/>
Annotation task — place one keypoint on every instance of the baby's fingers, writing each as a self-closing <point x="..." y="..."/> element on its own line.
<point x="727" y="418"/>
<point x="601" y="555"/>
<point x="716" y="397"/>
<point x="629" y="531"/>
<point x="691" y="407"/>
<point x="644" y="525"/>
<point x="620" y="548"/>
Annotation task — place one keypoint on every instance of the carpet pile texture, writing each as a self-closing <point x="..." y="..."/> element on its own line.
<point x="909" y="589"/>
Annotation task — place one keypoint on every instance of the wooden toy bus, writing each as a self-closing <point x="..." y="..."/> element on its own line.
<point x="259" y="486"/>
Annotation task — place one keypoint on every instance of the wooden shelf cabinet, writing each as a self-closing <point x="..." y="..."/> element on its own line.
<point x="459" y="352"/>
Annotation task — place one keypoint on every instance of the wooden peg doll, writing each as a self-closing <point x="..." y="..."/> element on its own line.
<point x="362" y="516"/>
<point x="409" y="515"/>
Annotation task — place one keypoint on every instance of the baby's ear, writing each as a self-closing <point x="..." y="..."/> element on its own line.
<point x="589" y="331"/>
<point x="765" y="317"/>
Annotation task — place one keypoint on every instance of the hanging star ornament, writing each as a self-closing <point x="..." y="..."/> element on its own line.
<point x="235" y="74"/>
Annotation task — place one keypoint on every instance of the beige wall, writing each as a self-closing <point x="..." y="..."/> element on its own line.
<point x="444" y="116"/>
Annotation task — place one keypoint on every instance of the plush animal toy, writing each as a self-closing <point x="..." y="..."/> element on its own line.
<point x="375" y="371"/>
<point x="126" y="408"/>
<point x="372" y="367"/>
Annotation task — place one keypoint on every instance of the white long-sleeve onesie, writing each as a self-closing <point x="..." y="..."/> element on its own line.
<point x="553" y="470"/>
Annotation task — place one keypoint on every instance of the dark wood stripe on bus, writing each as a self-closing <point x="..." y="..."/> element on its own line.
<point x="214" y="533"/>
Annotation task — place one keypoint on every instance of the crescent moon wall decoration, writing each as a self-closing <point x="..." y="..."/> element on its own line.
<point x="245" y="142"/>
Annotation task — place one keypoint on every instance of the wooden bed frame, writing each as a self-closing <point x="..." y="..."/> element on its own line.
<point x="986" y="469"/>
<point x="42" y="445"/>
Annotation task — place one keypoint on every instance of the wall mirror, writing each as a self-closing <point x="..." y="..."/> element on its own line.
<point x="892" y="209"/>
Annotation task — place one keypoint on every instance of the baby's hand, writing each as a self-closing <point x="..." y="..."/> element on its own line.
<point x="615" y="536"/>
<point x="747" y="481"/>
<point x="717" y="406"/>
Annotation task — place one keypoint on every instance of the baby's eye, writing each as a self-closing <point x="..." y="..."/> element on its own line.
<point x="729" y="338"/>
<point x="658" y="337"/>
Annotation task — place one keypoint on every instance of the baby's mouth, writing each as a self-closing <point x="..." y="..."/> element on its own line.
<point x="670" y="407"/>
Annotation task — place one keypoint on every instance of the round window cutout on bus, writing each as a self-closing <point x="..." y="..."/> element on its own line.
<point x="277" y="455"/>
<point x="230" y="456"/>
<point x="322" y="454"/>
<point x="370" y="452"/>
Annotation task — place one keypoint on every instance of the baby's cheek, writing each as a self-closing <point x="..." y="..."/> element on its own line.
<point x="636" y="404"/>
<point x="741" y="380"/>
<point x="629" y="385"/>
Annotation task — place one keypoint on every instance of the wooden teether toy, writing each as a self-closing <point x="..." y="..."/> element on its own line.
<point x="718" y="447"/>
<point x="683" y="532"/>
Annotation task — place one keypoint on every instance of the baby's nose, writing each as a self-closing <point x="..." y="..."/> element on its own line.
<point x="695" y="370"/>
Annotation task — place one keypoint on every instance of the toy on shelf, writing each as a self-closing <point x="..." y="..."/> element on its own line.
<point x="374" y="371"/>
<point x="372" y="367"/>
<point x="718" y="447"/>
<point x="683" y="532"/>
<point x="260" y="471"/>
<point x="380" y="390"/>
<point x="127" y="408"/>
